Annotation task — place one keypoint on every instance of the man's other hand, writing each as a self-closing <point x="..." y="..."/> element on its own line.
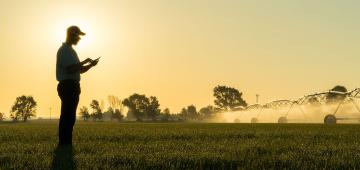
<point x="88" y="60"/>
<point x="94" y="62"/>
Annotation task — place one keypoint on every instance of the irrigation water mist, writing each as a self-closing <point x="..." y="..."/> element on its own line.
<point x="294" y="114"/>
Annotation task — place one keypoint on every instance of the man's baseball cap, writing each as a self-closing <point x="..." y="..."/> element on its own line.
<point x="74" y="30"/>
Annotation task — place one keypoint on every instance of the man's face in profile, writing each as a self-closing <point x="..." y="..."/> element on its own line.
<point x="73" y="38"/>
<point x="76" y="39"/>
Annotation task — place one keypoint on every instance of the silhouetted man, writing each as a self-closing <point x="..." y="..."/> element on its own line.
<point x="68" y="70"/>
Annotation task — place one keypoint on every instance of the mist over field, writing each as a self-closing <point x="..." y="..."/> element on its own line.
<point x="307" y="114"/>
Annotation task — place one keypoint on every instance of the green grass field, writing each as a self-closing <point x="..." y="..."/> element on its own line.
<point x="181" y="146"/>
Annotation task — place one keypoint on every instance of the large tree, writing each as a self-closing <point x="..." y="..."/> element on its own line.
<point x="142" y="107"/>
<point x="228" y="98"/>
<point x="23" y="108"/>
<point x="136" y="104"/>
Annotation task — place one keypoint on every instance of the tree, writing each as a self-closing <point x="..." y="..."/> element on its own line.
<point x="23" y="108"/>
<point x="335" y="97"/>
<point x="97" y="112"/>
<point x="108" y="115"/>
<point x="165" y="115"/>
<point x="117" y="115"/>
<point x="183" y="113"/>
<point x="113" y="114"/>
<point x="137" y="105"/>
<point x="116" y="108"/>
<point x="228" y="98"/>
<point x="142" y="107"/>
<point x="208" y="111"/>
<point x="192" y="112"/>
<point x="189" y="113"/>
<point x="166" y="111"/>
<point x="84" y="112"/>
<point x="153" y="110"/>
<point x="2" y="116"/>
<point x="339" y="88"/>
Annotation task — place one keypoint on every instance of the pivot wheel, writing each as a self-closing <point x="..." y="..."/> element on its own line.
<point x="330" y="119"/>
<point x="282" y="119"/>
<point x="254" y="120"/>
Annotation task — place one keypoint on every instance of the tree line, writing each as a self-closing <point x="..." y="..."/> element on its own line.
<point x="143" y="108"/>
<point x="147" y="108"/>
<point x="113" y="112"/>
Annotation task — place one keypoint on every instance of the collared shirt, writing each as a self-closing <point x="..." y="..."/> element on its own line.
<point x="65" y="57"/>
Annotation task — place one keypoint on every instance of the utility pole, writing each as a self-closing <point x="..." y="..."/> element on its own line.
<point x="257" y="99"/>
<point x="50" y="112"/>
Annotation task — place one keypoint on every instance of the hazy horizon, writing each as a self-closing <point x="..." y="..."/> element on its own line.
<point x="180" y="50"/>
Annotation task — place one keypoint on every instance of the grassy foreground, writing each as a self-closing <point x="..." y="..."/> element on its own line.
<point x="181" y="146"/>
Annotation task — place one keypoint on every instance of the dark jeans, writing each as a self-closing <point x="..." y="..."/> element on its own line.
<point x="68" y="91"/>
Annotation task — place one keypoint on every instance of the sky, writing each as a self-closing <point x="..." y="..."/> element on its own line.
<point x="179" y="50"/>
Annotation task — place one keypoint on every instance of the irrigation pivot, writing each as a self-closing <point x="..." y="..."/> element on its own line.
<point x="329" y="103"/>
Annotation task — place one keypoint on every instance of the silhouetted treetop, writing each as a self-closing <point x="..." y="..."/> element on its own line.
<point x="228" y="98"/>
<point x="142" y="107"/>
<point x="97" y="111"/>
<point x="23" y="108"/>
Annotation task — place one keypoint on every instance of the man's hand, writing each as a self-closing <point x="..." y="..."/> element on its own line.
<point x="85" y="68"/>
<point x="82" y="67"/>
<point x="94" y="62"/>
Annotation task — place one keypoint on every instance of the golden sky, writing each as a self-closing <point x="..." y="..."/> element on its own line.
<point x="179" y="50"/>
